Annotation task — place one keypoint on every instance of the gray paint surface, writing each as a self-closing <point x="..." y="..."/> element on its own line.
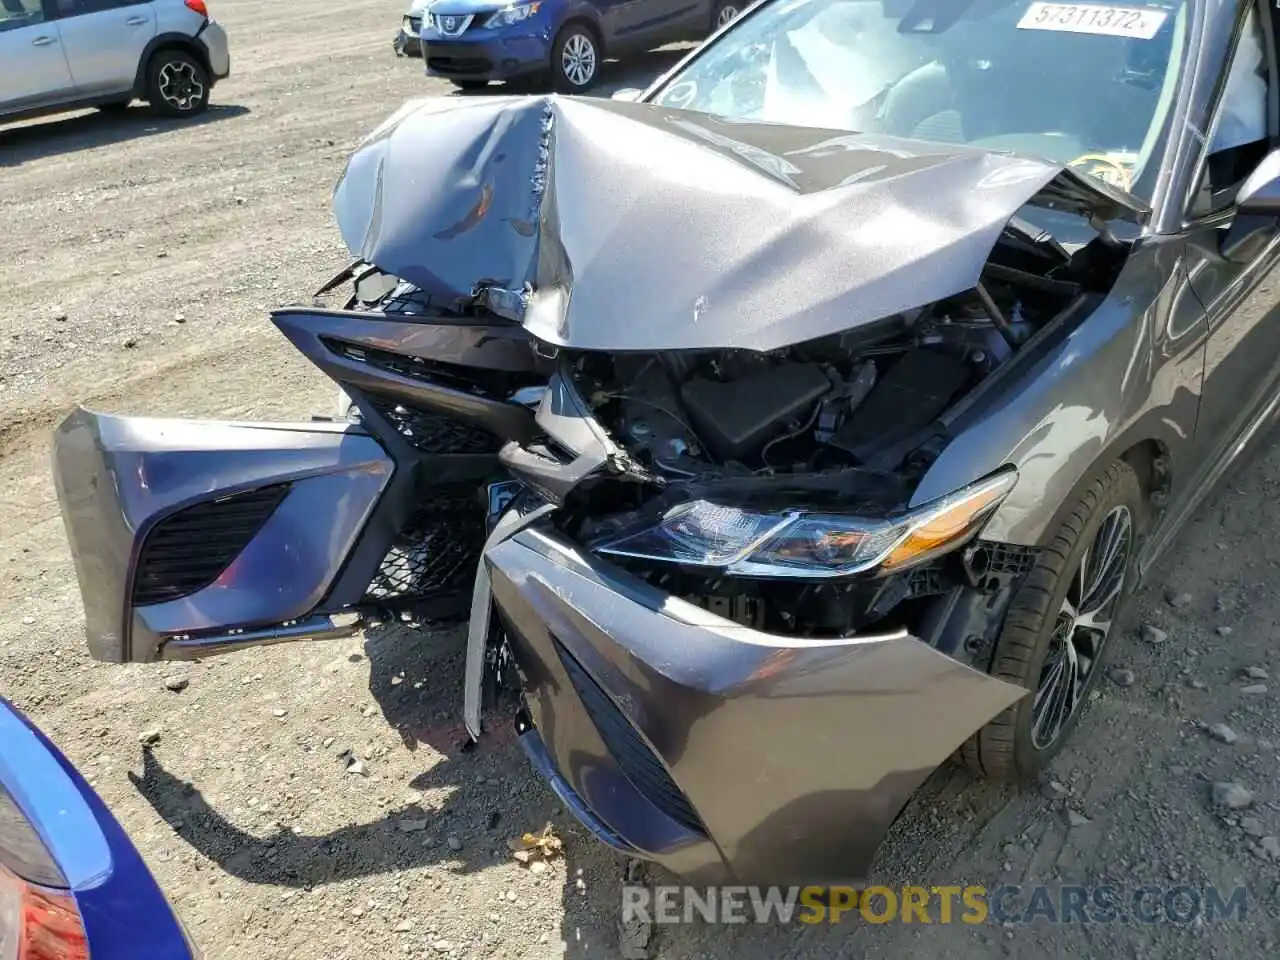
<point x="635" y="227"/>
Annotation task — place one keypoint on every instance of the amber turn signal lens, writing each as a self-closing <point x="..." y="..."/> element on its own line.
<point x="943" y="529"/>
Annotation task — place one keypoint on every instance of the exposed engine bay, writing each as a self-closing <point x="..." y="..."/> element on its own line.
<point x="863" y="398"/>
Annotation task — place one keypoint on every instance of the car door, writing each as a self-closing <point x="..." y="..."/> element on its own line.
<point x="104" y="41"/>
<point x="33" y="68"/>
<point x="1241" y="298"/>
<point x="640" y="23"/>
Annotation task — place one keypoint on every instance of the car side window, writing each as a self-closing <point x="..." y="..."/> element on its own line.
<point x="76" y="8"/>
<point x="20" y="13"/>
<point x="1240" y="137"/>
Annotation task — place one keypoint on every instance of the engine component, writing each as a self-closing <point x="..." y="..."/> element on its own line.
<point x="735" y="419"/>
<point x="913" y="392"/>
<point x="849" y="398"/>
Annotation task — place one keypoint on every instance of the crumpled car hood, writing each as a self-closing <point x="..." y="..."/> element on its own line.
<point x="605" y="225"/>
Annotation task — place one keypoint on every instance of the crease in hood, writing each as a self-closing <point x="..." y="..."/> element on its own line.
<point x="605" y="225"/>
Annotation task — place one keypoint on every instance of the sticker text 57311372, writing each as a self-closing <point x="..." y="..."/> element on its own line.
<point x="1139" y="23"/>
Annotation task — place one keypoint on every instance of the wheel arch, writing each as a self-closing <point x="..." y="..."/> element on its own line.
<point x="1147" y="454"/>
<point x="168" y="41"/>
<point x="587" y="16"/>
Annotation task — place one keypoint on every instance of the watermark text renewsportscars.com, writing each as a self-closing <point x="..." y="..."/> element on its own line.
<point x="934" y="904"/>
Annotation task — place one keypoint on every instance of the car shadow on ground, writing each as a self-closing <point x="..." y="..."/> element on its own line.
<point x="638" y="70"/>
<point x="53" y="136"/>
<point x="490" y="795"/>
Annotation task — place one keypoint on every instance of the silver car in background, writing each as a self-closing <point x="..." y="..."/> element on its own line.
<point x="69" y="54"/>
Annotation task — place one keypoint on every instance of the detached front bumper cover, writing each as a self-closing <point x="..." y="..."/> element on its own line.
<point x="720" y="751"/>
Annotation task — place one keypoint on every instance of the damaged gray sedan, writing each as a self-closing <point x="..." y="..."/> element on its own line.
<point x="772" y="465"/>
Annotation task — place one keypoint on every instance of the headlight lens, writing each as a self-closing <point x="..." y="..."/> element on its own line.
<point x="512" y="14"/>
<point x="801" y="544"/>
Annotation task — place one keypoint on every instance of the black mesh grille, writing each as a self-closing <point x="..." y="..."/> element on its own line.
<point x="494" y="384"/>
<point x="187" y="551"/>
<point x="436" y="552"/>
<point x="433" y="432"/>
<point x="640" y="765"/>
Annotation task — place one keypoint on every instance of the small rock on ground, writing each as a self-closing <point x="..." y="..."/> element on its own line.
<point x="1254" y="689"/>
<point x="1232" y="796"/>
<point x="176" y="684"/>
<point x="1223" y="734"/>
<point x="1255" y="673"/>
<point x="1177" y="600"/>
<point x="1153" y="634"/>
<point x="1053" y="790"/>
<point x="1122" y="678"/>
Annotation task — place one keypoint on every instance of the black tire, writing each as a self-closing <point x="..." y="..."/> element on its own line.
<point x="470" y="85"/>
<point x="726" y="11"/>
<point x="571" y="38"/>
<point x="115" y="107"/>
<point x="177" y="84"/>
<point x="1005" y="749"/>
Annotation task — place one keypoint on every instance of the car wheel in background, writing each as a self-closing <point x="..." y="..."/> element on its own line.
<point x="726" y="12"/>
<point x="470" y="84"/>
<point x="1056" y="633"/>
<point x="575" y="58"/>
<point x="177" y="84"/>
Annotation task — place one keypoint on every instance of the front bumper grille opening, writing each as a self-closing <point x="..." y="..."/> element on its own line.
<point x="188" y="550"/>
<point x="431" y="432"/>
<point x="460" y="65"/>
<point x="437" y="551"/>
<point x="637" y="761"/>
<point x="491" y="384"/>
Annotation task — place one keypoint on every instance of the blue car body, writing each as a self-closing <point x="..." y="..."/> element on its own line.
<point x="124" y="912"/>
<point x="458" y="43"/>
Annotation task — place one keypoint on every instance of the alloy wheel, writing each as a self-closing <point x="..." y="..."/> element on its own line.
<point x="578" y="59"/>
<point x="1081" y="628"/>
<point x="726" y="14"/>
<point x="180" y="85"/>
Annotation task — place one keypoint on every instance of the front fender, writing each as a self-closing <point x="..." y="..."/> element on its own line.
<point x="1098" y="387"/>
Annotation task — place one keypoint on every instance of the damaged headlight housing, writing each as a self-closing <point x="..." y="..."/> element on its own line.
<point x="797" y="543"/>
<point x="512" y="14"/>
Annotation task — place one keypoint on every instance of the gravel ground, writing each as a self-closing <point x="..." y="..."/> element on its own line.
<point x="141" y="259"/>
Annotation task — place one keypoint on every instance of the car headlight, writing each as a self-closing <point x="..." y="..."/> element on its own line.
<point x="513" y="14"/>
<point x="797" y="543"/>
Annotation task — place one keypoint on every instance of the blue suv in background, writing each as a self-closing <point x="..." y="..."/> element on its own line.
<point x="472" y="42"/>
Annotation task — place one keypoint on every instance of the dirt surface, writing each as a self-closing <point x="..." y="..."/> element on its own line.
<point x="141" y="258"/>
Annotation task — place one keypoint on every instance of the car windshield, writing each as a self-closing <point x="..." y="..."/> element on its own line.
<point x="1083" y="84"/>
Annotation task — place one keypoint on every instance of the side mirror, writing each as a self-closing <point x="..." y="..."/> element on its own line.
<point x="630" y="94"/>
<point x="1257" y="211"/>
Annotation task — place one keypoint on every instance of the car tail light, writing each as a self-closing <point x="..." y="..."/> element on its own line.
<point x="198" y="6"/>
<point x="38" y="921"/>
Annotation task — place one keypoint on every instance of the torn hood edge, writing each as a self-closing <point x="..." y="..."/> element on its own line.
<point x="1084" y="195"/>
<point x="361" y="196"/>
